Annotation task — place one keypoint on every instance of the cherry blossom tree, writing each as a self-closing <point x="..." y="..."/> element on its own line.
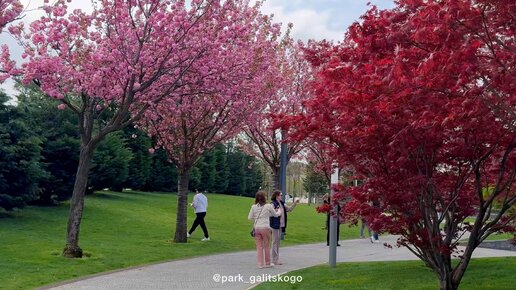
<point x="262" y="138"/>
<point x="10" y="10"/>
<point x="220" y="93"/>
<point x="111" y="65"/>
<point x="420" y="101"/>
<point x="321" y="155"/>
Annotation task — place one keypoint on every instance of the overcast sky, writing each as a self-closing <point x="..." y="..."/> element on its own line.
<point x="320" y="19"/>
<point x="312" y="19"/>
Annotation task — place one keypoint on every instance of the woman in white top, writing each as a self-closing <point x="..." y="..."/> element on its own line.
<point x="260" y="213"/>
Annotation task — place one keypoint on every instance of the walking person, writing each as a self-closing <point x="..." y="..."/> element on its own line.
<point x="279" y="224"/>
<point x="326" y="200"/>
<point x="374" y="237"/>
<point x="363" y="226"/>
<point x="200" y="205"/>
<point x="261" y="212"/>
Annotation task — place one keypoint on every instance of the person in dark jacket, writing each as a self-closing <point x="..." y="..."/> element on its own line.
<point x="279" y="224"/>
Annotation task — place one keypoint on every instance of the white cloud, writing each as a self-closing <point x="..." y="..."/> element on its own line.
<point x="308" y="23"/>
<point x="322" y="19"/>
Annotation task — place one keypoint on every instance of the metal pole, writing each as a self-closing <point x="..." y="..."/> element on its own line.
<point x="333" y="221"/>
<point x="283" y="164"/>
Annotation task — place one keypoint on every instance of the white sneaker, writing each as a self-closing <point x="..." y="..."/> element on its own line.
<point x="377" y="241"/>
<point x="187" y="235"/>
<point x="205" y="239"/>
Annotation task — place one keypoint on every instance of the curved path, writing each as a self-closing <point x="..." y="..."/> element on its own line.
<point x="239" y="269"/>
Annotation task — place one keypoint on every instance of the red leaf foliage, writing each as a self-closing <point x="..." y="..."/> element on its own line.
<point x="420" y="102"/>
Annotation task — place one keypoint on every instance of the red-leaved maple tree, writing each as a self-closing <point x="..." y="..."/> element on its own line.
<point x="111" y="65"/>
<point x="220" y="93"/>
<point x="420" y="102"/>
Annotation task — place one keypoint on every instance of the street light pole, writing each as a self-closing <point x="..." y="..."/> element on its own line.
<point x="283" y="164"/>
<point x="333" y="221"/>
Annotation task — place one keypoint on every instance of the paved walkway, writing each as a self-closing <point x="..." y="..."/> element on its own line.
<point x="207" y="272"/>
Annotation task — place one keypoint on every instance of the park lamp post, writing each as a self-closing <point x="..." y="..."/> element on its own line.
<point x="333" y="219"/>
<point x="283" y="164"/>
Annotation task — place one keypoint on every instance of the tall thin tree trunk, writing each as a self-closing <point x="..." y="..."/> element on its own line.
<point x="462" y="266"/>
<point x="72" y="249"/>
<point x="275" y="178"/>
<point x="182" y="202"/>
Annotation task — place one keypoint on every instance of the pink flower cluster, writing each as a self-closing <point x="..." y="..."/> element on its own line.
<point x="192" y="74"/>
<point x="10" y="10"/>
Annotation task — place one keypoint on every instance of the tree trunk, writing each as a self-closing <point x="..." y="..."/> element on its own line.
<point x="182" y="202"/>
<point x="275" y="178"/>
<point x="445" y="273"/>
<point x="446" y="282"/>
<point x="72" y="249"/>
<point x="462" y="266"/>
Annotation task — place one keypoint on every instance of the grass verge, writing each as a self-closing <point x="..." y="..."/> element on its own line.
<point x="482" y="274"/>
<point x="121" y="230"/>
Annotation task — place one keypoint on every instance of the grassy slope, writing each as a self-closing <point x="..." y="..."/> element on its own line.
<point x="120" y="230"/>
<point x="482" y="274"/>
<point x="126" y="229"/>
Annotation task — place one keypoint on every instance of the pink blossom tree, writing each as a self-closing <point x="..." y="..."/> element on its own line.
<point x="262" y="138"/>
<point x="10" y="10"/>
<point x="220" y="93"/>
<point x="320" y="154"/>
<point x="109" y="66"/>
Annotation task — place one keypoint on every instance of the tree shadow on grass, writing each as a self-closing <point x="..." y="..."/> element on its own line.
<point x="6" y="215"/>
<point x="108" y="195"/>
<point x="127" y="194"/>
<point x="147" y="193"/>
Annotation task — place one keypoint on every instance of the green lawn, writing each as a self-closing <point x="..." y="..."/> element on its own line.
<point x="482" y="274"/>
<point x="120" y="230"/>
<point x="495" y="236"/>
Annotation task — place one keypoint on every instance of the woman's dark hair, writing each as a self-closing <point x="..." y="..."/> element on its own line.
<point x="275" y="194"/>
<point x="260" y="197"/>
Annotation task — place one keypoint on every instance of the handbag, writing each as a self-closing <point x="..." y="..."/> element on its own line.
<point x="253" y="233"/>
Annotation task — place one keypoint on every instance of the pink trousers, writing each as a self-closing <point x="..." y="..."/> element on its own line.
<point x="263" y="249"/>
